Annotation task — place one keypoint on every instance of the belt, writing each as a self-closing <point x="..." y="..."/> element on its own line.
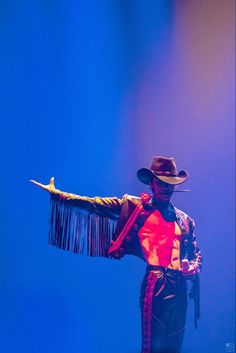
<point x="162" y="269"/>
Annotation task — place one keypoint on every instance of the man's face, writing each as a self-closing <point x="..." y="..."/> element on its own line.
<point x="161" y="190"/>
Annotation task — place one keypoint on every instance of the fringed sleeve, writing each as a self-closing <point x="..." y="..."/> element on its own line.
<point x="83" y="225"/>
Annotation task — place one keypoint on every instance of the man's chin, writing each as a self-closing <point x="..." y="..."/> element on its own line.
<point x="163" y="197"/>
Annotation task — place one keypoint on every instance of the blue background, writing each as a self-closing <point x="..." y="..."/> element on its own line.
<point x="90" y="92"/>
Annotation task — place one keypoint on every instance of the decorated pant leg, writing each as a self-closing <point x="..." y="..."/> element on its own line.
<point x="163" y="305"/>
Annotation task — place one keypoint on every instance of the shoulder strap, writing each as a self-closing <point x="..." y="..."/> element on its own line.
<point x="145" y="198"/>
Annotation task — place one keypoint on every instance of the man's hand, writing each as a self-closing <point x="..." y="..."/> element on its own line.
<point x="49" y="187"/>
<point x="188" y="271"/>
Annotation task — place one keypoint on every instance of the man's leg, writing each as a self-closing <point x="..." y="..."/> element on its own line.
<point x="168" y="313"/>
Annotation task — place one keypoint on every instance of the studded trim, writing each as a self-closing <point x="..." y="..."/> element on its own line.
<point x="145" y="198"/>
<point x="147" y="312"/>
<point x="183" y="217"/>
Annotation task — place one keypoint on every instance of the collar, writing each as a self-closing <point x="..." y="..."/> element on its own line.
<point x="167" y="211"/>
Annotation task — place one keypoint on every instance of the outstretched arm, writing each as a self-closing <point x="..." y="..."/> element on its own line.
<point x="81" y="224"/>
<point x="105" y="206"/>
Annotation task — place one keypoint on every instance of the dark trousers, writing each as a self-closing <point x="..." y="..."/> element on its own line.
<point x="163" y="304"/>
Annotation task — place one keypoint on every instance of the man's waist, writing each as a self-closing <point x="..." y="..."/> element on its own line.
<point x="162" y="269"/>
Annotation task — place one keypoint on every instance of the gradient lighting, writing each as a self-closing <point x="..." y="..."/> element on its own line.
<point x="90" y="91"/>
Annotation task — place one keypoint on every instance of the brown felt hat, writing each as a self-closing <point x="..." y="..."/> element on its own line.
<point x="164" y="169"/>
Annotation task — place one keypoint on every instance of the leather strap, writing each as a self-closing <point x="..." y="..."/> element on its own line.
<point x="145" y="198"/>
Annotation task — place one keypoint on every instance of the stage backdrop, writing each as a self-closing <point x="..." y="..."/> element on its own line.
<point x="90" y="92"/>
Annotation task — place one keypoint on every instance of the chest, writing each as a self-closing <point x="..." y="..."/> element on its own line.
<point x="157" y="230"/>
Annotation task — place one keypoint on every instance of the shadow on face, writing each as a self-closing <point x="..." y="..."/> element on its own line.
<point x="161" y="191"/>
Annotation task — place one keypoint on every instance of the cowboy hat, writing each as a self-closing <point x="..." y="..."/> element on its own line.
<point x="164" y="169"/>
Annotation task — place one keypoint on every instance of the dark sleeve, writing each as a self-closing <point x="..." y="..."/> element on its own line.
<point x="195" y="257"/>
<point x="194" y="252"/>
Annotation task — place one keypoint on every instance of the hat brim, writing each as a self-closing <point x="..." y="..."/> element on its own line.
<point x="145" y="175"/>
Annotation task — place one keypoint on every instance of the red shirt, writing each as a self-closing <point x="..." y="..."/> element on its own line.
<point x="160" y="241"/>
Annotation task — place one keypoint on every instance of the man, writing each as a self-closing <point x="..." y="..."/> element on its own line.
<point x="149" y="227"/>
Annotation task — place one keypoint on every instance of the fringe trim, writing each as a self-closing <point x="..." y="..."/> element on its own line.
<point x="79" y="231"/>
